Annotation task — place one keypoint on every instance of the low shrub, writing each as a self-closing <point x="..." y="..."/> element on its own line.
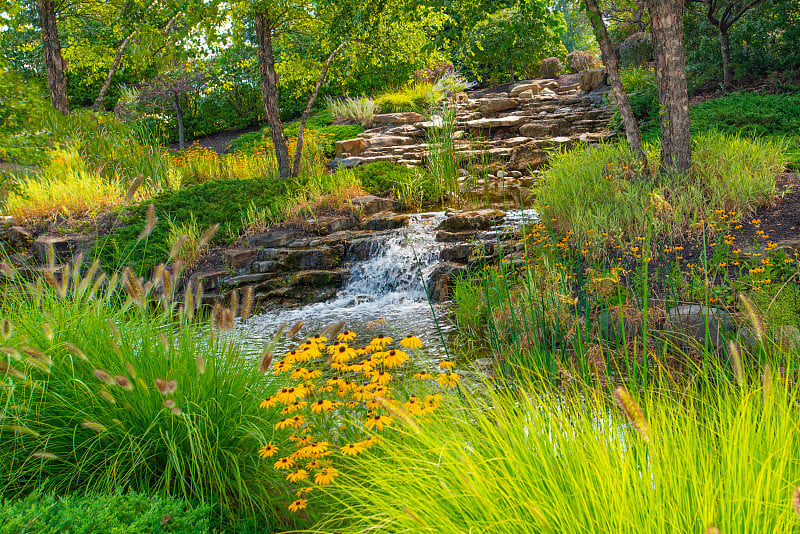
<point x="581" y="60"/>
<point x="635" y="50"/>
<point x="419" y="97"/>
<point x="319" y="126"/>
<point x="640" y="84"/>
<point x="413" y="187"/>
<point x="434" y="72"/>
<point x="133" y="513"/>
<point x="550" y="67"/>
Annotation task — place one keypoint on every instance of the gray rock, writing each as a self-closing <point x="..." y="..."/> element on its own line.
<point x="472" y="220"/>
<point x="239" y="258"/>
<point x="17" y="238"/>
<point x="498" y="104"/>
<point x="523" y="87"/>
<point x="693" y="319"/>
<point x="65" y="247"/>
<point x="345" y="163"/>
<point x="498" y="122"/>
<point x="319" y="278"/>
<point x="440" y="282"/>
<point x="398" y="118"/>
<point x="384" y="221"/>
<point x="328" y="225"/>
<point x="591" y="79"/>
<point x="369" y="204"/>
<point x="276" y="237"/>
<point x="468" y="252"/>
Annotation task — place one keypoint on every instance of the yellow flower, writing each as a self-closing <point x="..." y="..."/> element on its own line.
<point x="299" y="504"/>
<point x="283" y="366"/>
<point x="293" y="407"/>
<point x="325" y="476"/>
<point x="317" y="448"/>
<point x="448" y="380"/>
<point x="284" y="463"/>
<point x="353" y="449"/>
<point x="413" y="406"/>
<point x="377" y="421"/>
<point x="299" y="374"/>
<point x="269" y="402"/>
<point x="423" y="376"/>
<point x="322" y="405"/>
<point x="410" y="342"/>
<point x="381" y="341"/>
<point x="393" y="358"/>
<point x="342" y="353"/>
<point x="297" y="475"/>
<point x="267" y="450"/>
<point x="380" y="377"/>
<point x="346" y="336"/>
<point x="446" y="364"/>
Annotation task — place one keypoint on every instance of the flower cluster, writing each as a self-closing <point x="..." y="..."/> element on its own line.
<point x="339" y="399"/>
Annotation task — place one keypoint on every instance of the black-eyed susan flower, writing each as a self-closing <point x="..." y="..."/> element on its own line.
<point x="380" y="377"/>
<point x="325" y="476"/>
<point x="353" y="449"/>
<point x="410" y="342"/>
<point x="413" y="405"/>
<point x="381" y="341"/>
<point x="377" y="421"/>
<point x="446" y="364"/>
<point x="293" y="407"/>
<point x="297" y="505"/>
<point x="424" y="376"/>
<point x="267" y="450"/>
<point x="284" y="463"/>
<point x="393" y="358"/>
<point x="297" y="475"/>
<point x="346" y="336"/>
<point x="321" y="405"/>
<point x="448" y="380"/>
<point x="283" y="366"/>
<point x="342" y="353"/>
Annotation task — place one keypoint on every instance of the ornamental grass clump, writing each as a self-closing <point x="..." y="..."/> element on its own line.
<point x="530" y="459"/>
<point x="340" y="401"/>
<point x="110" y="383"/>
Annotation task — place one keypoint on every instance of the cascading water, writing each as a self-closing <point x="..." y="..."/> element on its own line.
<point x="385" y="294"/>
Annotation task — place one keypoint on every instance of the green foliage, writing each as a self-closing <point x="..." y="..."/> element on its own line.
<point x="415" y="96"/>
<point x="640" y="84"/>
<point x="107" y="395"/>
<point x="223" y="202"/>
<point x="22" y="104"/>
<point x="318" y="124"/>
<point x="382" y="178"/>
<point x="358" y="110"/>
<point x="133" y="513"/>
<point x="513" y="39"/>
<point x="601" y="190"/>
<point x="528" y="458"/>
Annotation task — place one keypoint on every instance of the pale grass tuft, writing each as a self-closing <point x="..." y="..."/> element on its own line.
<point x="755" y="320"/>
<point x="247" y="305"/>
<point x="633" y="412"/>
<point x="294" y="330"/>
<point x="149" y="223"/>
<point x="133" y="287"/>
<point x="736" y="362"/>
<point x="48" y="331"/>
<point x="201" y="363"/>
<point x="135" y="185"/>
<point x="92" y="425"/>
<point x="7" y="270"/>
<point x="6" y="329"/>
<point x="44" y="455"/>
<point x="11" y="352"/>
<point x="234" y="304"/>
<point x="796" y="501"/>
<point x="75" y="351"/>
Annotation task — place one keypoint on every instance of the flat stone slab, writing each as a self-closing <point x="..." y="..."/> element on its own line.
<point x="65" y="247"/>
<point x="398" y="118"/>
<point x="497" y="122"/>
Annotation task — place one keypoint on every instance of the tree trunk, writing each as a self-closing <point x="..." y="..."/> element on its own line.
<point x="632" y="133"/>
<point x="298" y="153"/>
<point x="511" y="75"/>
<point x="725" y="48"/>
<point x="269" y="93"/>
<point x="53" y="60"/>
<point x="666" y="18"/>
<point x="176" y="101"/>
<point x="98" y="103"/>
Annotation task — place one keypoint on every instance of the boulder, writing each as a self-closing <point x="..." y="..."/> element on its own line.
<point x="314" y="259"/>
<point x="444" y="236"/>
<point x="468" y="252"/>
<point x="276" y="237"/>
<point x="17" y="238"/>
<point x="441" y="280"/>
<point x="65" y="247"/>
<point x="369" y="204"/>
<point x="591" y="79"/>
<point x="238" y="258"/>
<point x="498" y="104"/>
<point x="498" y="122"/>
<point x="547" y="92"/>
<point x="524" y="87"/>
<point x="526" y="157"/>
<point x="390" y="140"/>
<point x="398" y="118"/>
<point x="472" y="220"/>
<point x="384" y="221"/>
<point x="345" y="163"/>
<point x="692" y="320"/>
<point x="328" y="225"/>
<point x="318" y="278"/>
<point x="350" y="146"/>
<point x="524" y="95"/>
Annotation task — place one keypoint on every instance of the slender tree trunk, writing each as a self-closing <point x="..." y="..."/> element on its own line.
<point x="676" y="142"/>
<point x="632" y="133"/>
<point x="725" y="48"/>
<point x="269" y="93"/>
<point x="511" y="75"/>
<point x="101" y="97"/>
<point x="298" y="153"/>
<point x="53" y="60"/>
<point x="176" y="101"/>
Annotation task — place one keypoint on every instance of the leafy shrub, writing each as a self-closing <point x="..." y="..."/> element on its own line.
<point x="640" y="84"/>
<point x="318" y="125"/>
<point x="133" y="513"/>
<point x="419" y="97"/>
<point x="636" y="50"/>
<point x="549" y="67"/>
<point x="358" y="110"/>
<point x="99" y="396"/>
<point x="451" y="84"/>
<point x="580" y="60"/>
